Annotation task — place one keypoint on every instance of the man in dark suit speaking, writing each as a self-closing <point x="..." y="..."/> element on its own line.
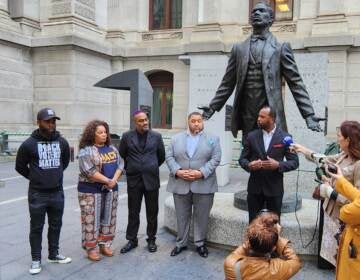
<point x="263" y="156"/>
<point x="143" y="151"/>
<point x="256" y="68"/>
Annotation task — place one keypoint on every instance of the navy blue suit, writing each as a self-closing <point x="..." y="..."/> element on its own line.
<point x="266" y="186"/>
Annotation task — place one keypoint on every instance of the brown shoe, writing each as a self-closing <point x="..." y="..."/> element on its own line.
<point x="106" y="251"/>
<point x="93" y="255"/>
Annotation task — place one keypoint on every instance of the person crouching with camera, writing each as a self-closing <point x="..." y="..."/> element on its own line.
<point x="348" y="258"/>
<point x="264" y="254"/>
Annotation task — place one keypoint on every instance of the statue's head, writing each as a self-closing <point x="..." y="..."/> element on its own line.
<point x="262" y="15"/>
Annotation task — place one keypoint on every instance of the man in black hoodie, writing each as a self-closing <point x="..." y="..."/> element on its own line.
<point x="42" y="158"/>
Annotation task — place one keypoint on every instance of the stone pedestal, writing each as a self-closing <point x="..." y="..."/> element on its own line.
<point x="227" y="224"/>
<point x="291" y="202"/>
<point x="206" y="72"/>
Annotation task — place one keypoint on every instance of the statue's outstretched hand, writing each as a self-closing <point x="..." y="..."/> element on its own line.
<point x="207" y="112"/>
<point x="312" y="123"/>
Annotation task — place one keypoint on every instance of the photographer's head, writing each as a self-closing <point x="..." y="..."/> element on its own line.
<point x="263" y="233"/>
<point x="349" y="138"/>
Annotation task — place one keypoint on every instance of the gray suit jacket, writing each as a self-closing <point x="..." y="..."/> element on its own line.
<point x="206" y="158"/>
<point x="277" y="62"/>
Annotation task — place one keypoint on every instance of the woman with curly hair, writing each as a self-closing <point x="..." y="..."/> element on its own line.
<point x="100" y="169"/>
<point x="264" y="254"/>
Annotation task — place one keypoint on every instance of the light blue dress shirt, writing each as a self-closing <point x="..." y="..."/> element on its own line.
<point x="191" y="143"/>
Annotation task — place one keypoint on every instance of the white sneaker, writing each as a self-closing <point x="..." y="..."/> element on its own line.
<point x="60" y="259"/>
<point x="35" y="267"/>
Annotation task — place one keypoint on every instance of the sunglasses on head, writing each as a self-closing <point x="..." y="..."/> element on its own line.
<point x="264" y="211"/>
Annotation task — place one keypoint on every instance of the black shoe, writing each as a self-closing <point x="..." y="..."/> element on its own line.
<point x="177" y="250"/>
<point x="128" y="247"/>
<point x="203" y="251"/>
<point x="152" y="247"/>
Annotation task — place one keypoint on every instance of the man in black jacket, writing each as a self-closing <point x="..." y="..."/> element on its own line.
<point x="263" y="156"/>
<point x="143" y="151"/>
<point x="42" y="159"/>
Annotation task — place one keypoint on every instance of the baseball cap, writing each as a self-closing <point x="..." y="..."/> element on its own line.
<point x="46" y="114"/>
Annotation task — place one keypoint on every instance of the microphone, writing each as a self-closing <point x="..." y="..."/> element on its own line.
<point x="288" y="141"/>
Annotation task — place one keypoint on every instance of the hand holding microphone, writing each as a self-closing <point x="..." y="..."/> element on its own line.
<point x="289" y="144"/>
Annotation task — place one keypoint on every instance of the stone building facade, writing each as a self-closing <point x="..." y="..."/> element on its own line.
<point x="52" y="52"/>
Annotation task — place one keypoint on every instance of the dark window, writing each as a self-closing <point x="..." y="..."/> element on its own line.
<point x="283" y="9"/>
<point x="165" y="14"/>
<point x="162" y="83"/>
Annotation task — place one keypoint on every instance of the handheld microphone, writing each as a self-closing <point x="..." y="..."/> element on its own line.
<point x="288" y="141"/>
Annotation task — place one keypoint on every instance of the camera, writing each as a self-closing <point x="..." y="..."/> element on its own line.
<point x="332" y="168"/>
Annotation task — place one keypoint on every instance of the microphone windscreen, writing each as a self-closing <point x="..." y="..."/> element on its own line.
<point x="288" y="141"/>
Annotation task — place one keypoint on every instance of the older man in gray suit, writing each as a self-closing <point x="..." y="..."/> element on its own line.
<point x="192" y="158"/>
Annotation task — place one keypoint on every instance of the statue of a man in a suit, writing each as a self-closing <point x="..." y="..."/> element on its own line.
<point x="256" y="67"/>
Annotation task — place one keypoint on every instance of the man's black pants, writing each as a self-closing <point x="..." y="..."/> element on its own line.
<point x="135" y="195"/>
<point x="40" y="204"/>
<point x="256" y="202"/>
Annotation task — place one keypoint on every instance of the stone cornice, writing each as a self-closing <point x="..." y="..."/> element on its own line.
<point x="105" y="47"/>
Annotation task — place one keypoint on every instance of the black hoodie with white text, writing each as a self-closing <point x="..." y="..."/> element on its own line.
<point x="42" y="160"/>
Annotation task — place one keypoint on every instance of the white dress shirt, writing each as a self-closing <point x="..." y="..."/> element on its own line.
<point x="267" y="136"/>
<point x="191" y="143"/>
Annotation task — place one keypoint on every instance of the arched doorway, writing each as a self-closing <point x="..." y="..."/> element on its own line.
<point x="162" y="83"/>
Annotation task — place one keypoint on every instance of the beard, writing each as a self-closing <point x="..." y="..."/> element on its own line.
<point x="196" y="131"/>
<point x="47" y="132"/>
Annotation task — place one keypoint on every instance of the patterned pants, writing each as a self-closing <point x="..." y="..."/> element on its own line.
<point x="98" y="218"/>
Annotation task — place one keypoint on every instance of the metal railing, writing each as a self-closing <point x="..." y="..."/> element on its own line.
<point x="10" y="140"/>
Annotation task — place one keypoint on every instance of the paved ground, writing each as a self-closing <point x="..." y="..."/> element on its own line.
<point x="138" y="264"/>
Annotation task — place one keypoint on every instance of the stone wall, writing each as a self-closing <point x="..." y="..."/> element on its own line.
<point x="64" y="79"/>
<point x="181" y="83"/>
<point x="16" y="88"/>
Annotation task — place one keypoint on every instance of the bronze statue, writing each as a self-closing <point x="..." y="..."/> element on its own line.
<point x="256" y="67"/>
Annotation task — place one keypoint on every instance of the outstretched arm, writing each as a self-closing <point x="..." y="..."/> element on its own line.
<point x="227" y="84"/>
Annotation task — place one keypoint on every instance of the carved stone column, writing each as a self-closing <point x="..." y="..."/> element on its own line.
<point x="26" y="13"/>
<point x="73" y="17"/>
<point x="4" y="5"/>
<point x="208" y="27"/>
<point x="331" y="18"/>
<point x="81" y="9"/>
<point x="330" y="7"/>
<point x="4" y="9"/>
